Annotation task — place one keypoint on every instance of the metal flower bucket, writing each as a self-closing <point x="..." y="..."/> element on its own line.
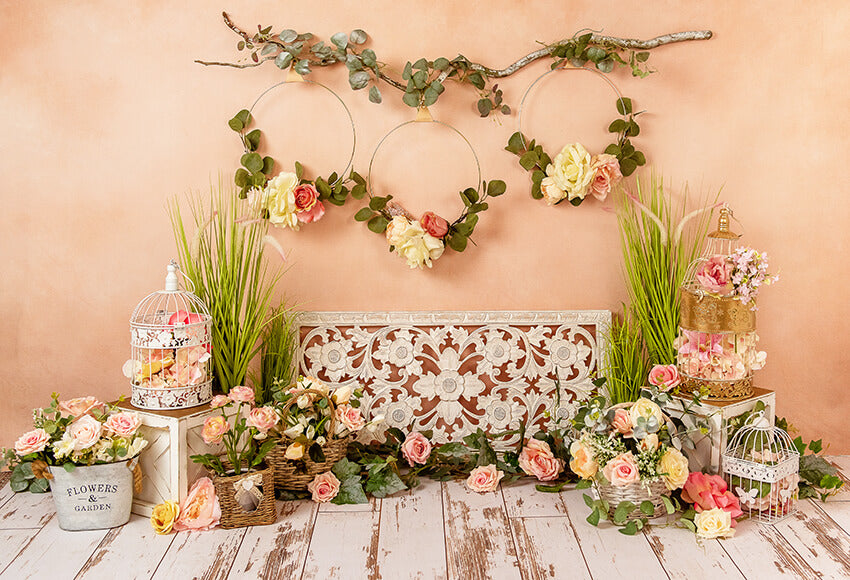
<point x="93" y="497"/>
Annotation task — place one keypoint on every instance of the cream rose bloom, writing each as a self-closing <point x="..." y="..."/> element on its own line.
<point x="551" y="192"/>
<point x="673" y="467"/>
<point x="399" y="230"/>
<point x="646" y="409"/>
<point x="413" y="243"/>
<point x="279" y="199"/>
<point x="714" y="523"/>
<point x="572" y="171"/>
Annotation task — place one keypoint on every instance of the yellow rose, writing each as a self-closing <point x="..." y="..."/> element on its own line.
<point x="583" y="462"/>
<point x="294" y="451"/>
<point x="279" y="199"/>
<point x="551" y="192"/>
<point x="572" y="171"/>
<point x="163" y="516"/>
<point x="646" y="409"/>
<point x="673" y="467"/>
<point x="714" y="523"/>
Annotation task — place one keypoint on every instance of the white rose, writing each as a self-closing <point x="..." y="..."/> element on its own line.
<point x="646" y="409"/>
<point x="714" y="523"/>
<point x="280" y="200"/>
<point x="572" y="171"/>
<point x="420" y="249"/>
<point x="342" y="395"/>
<point x="294" y="432"/>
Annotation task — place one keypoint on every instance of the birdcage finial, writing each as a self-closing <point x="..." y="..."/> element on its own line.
<point x="171" y="281"/>
<point x="723" y="232"/>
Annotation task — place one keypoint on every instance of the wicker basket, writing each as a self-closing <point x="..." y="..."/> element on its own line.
<point x="637" y="493"/>
<point x="294" y="475"/>
<point x="232" y="513"/>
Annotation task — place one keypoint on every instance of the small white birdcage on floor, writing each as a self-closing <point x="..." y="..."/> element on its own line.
<point x="170" y="336"/>
<point x="761" y="466"/>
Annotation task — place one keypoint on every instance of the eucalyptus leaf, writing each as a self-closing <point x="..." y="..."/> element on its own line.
<point x="288" y="35"/>
<point x="407" y="71"/>
<point x="299" y="170"/>
<point x="358" y="80"/>
<point x="639" y="157"/>
<point x="496" y="188"/>
<point x="528" y="160"/>
<point x="364" y="214"/>
<point x="378" y="224"/>
<point x="624" y="106"/>
<point x="516" y="143"/>
<point x="375" y="94"/>
<point x="340" y="39"/>
<point x="458" y="242"/>
<point x="484" y="107"/>
<point x="441" y="63"/>
<point x="369" y="57"/>
<point x="357" y="36"/>
<point x="353" y="63"/>
<point x="268" y="165"/>
<point x="411" y="99"/>
<point x="477" y="80"/>
<point x="252" y="162"/>
<point x="39" y="485"/>
<point x="241" y="177"/>
<point x="302" y="67"/>
<point x="429" y="97"/>
<point x="253" y="139"/>
<point x="606" y="65"/>
<point x="593" y="518"/>
<point x="358" y="191"/>
<point x="642" y="56"/>
<point x="283" y="60"/>
<point x="627" y="166"/>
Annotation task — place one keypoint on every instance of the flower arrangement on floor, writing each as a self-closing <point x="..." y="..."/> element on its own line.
<point x="75" y="432"/>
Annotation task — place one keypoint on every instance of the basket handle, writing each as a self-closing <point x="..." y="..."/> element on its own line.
<point x="284" y="414"/>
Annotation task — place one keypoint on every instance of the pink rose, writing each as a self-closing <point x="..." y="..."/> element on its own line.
<point x="123" y="424"/>
<point x="80" y="406"/>
<point x="201" y="509"/>
<point x="214" y="429"/>
<point x="350" y="418"/>
<point x="622" y="422"/>
<point x="537" y="459"/>
<point x="184" y="317"/>
<point x="416" y="449"/>
<point x="710" y="491"/>
<point x="484" y="478"/>
<point x="664" y="376"/>
<point x="434" y="224"/>
<point x="607" y="175"/>
<point x="324" y="487"/>
<point x="622" y="470"/>
<point x="85" y="432"/>
<point x="32" y="442"/>
<point x="220" y="401"/>
<point x="715" y="275"/>
<point x="262" y="418"/>
<point x="314" y="214"/>
<point x="306" y="196"/>
<point x="242" y="394"/>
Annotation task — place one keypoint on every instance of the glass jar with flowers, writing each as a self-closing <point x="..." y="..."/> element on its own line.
<point x="243" y="482"/>
<point x="85" y="451"/>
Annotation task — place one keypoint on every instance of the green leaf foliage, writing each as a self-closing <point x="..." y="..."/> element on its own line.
<point x="364" y="214"/>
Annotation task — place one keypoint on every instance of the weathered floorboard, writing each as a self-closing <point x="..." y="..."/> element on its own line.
<point x="412" y="543"/>
<point x="12" y="542"/>
<point x="547" y="548"/>
<point x="479" y="543"/>
<point x="522" y="500"/>
<point x="27" y="510"/>
<point x="205" y="555"/>
<point x="5" y="491"/>
<point x="344" y="546"/>
<point x="279" y="550"/>
<point x="682" y="555"/>
<point x="838" y="511"/>
<point x="818" y="540"/>
<point x="134" y="549"/>
<point x="760" y="552"/>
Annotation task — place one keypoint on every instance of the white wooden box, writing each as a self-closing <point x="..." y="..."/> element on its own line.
<point x="167" y="471"/>
<point x="714" y="418"/>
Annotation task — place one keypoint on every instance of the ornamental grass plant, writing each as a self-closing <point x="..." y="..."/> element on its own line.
<point x="626" y="367"/>
<point x="277" y="357"/>
<point x="660" y="239"/>
<point x="225" y="258"/>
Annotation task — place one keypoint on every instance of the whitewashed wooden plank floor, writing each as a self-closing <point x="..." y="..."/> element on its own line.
<point x="441" y="531"/>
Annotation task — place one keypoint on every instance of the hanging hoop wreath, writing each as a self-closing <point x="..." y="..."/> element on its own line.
<point x="575" y="173"/>
<point x="423" y="240"/>
<point x="289" y="199"/>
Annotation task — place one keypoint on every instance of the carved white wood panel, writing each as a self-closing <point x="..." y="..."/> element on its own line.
<point x="453" y="372"/>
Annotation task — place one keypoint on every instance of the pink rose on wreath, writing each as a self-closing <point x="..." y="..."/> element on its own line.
<point x="123" y="424"/>
<point x="324" y="487"/>
<point x="242" y="394"/>
<point x="416" y="449"/>
<point x="622" y="470"/>
<point x="622" y="422"/>
<point x="220" y="401"/>
<point x="434" y="224"/>
<point x="607" y="175"/>
<point x="308" y="208"/>
<point x="32" y="442"/>
<point x="350" y="418"/>
<point x="80" y="406"/>
<point x="85" y="432"/>
<point x="262" y="419"/>
<point x="214" y="429"/>
<point x="715" y="275"/>
<point x="484" y="478"/>
<point x="201" y="509"/>
<point x="665" y="377"/>
<point x="710" y="491"/>
<point x="536" y="459"/>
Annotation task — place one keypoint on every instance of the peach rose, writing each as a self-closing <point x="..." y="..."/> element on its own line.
<point x="32" y="442"/>
<point x="434" y="224"/>
<point x="214" y="429"/>
<point x="537" y="459"/>
<point x="123" y="424"/>
<point x="220" y="401"/>
<point x="350" y="418"/>
<point x="665" y="377"/>
<point x="607" y="175"/>
<point x="416" y="449"/>
<point x="85" y="432"/>
<point x="484" y="478"/>
<point x="622" y="422"/>
<point x="622" y="470"/>
<point x="262" y="418"/>
<point x="324" y="487"/>
<point x="242" y="394"/>
<point x="583" y="462"/>
<point x="201" y="509"/>
<point x="80" y="406"/>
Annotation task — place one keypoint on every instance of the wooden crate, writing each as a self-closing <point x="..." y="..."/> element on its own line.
<point x="172" y="436"/>
<point x="710" y="425"/>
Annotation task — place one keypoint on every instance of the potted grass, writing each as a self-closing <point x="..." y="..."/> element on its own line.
<point x="84" y="451"/>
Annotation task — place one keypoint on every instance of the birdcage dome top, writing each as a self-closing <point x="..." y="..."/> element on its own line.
<point x="171" y="306"/>
<point x="761" y="450"/>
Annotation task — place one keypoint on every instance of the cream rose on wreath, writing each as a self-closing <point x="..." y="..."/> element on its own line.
<point x="413" y="243"/>
<point x="279" y="199"/>
<point x="571" y="172"/>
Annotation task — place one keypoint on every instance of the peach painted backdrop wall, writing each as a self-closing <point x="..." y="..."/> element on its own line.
<point x="105" y="117"/>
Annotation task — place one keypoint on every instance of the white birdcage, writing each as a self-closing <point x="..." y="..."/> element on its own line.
<point x="170" y="335"/>
<point x="761" y="466"/>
